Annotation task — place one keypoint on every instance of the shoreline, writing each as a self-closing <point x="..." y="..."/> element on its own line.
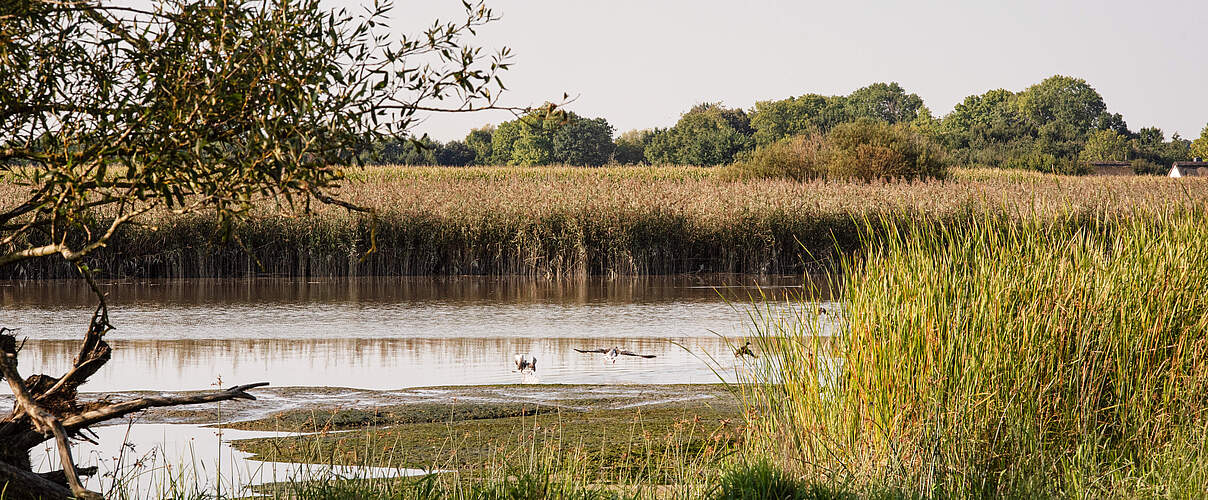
<point x="284" y="403"/>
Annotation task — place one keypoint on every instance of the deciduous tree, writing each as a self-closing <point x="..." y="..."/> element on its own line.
<point x="109" y="111"/>
<point x="1199" y="147"/>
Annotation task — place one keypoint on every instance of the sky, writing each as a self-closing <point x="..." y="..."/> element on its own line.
<point x="640" y="64"/>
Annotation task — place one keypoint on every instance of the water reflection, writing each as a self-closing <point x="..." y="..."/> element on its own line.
<point x="186" y="461"/>
<point x="389" y="333"/>
<point x="183" y="364"/>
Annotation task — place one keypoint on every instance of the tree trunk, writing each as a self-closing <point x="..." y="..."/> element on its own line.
<point x="46" y="407"/>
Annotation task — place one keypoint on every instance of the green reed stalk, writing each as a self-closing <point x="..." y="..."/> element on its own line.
<point x="994" y="356"/>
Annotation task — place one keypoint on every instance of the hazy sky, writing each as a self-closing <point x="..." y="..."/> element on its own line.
<point x="642" y="63"/>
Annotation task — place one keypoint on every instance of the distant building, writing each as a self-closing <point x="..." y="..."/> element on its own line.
<point x="1195" y="168"/>
<point x="1112" y="168"/>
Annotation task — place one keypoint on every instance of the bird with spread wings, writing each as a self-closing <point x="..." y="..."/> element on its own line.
<point x="614" y="352"/>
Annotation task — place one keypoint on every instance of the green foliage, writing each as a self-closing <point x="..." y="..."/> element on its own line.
<point x="799" y="158"/>
<point x="993" y="357"/>
<point x="865" y="149"/>
<point x="206" y="105"/>
<point x="1044" y="127"/>
<point x="1105" y="145"/>
<point x="505" y="136"/>
<point x="1044" y="162"/>
<point x="1063" y="100"/>
<point x="533" y="147"/>
<point x="1199" y="147"/>
<point x="582" y="141"/>
<point x="982" y="120"/>
<point x="631" y="147"/>
<point x="1154" y="154"/>
<point x="869" y="149"/>
<point x="759" y="481"/>
<point x="479" y="140"/>
<point x="550" y="136"/>
<point x="454" y="154"/>
<point x="708" y="134"/>
<point x="775" y="120"/>
<point x="886" y="102"/>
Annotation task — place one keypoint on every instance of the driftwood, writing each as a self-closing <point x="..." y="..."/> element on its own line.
<point x="47" y="407"/>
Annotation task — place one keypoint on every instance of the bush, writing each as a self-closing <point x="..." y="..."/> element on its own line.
<point x="1045" y="162"/>
<point x="863" y="149"/>
<point x="868" y="149"/>
<point x="795" y="158"/>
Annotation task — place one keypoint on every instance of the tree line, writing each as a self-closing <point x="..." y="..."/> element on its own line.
<point x="1058" y="125"/>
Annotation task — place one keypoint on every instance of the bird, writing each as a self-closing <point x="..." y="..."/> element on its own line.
<point x="614" y="352"/>
<point x="745" y="351"/>
<point x="526" y="363"/>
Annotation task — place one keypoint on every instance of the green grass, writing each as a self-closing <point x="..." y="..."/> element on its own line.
<point x="991" y="357"/>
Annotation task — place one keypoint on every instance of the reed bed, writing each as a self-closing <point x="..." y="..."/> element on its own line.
<point x="573" y="221"/>
<point x="989" y="357"/>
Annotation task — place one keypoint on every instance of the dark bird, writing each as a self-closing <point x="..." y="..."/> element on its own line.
<point x="745" y="351"/>
<point x="614" y="352"/>
<point x="524" y="363"/>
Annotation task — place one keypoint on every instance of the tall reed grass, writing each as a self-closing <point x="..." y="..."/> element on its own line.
<point x="990" y="357"/>
<point x="566" y="222"/>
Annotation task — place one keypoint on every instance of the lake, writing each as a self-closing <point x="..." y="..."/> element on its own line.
<point x="389" y="333"/>
<point x="369" y="335"/>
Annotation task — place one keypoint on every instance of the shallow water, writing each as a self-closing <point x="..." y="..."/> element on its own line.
<point x="183" y="461"/>
<point x="391" y="333"/>
<point x="365" y="334"/>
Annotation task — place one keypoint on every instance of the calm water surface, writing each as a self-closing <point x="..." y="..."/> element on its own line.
<point x="390" y="333"/>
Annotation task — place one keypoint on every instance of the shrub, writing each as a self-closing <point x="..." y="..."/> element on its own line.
<point x="868" y="149"/>
<point x="1045" y="162"/>
<point x="863" y="149"/>
<point x="796" y="158"/>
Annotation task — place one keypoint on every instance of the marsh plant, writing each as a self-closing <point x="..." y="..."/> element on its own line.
<point x="989" y="357"/>
<point x="566" y="221"/>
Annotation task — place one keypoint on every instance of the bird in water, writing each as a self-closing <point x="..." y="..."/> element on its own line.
<point x="526" y="363"/>
<point x="614" y="352"/>
<point x="745" y="351"/>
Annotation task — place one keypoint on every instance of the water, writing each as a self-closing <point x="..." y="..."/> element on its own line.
<point x="376" y="337"/>
<point x="389" y="333"/>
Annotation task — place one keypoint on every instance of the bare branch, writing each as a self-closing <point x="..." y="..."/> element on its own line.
<point x="44" y="422"/>
<point x="116" y="410"/>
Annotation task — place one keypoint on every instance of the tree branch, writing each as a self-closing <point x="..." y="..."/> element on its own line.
<point x="46" y="423"/>
<point x="116" y="410"/>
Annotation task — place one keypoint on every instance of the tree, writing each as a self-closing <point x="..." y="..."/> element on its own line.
<point x="108" y="112"/>
<point x="984" y="119"/>
<point x="1199" y="147"/>
<point x="708" y="134"/>
<point x="582" y="141"/>
<point x="631" y="147"/>
<point x="454" y="154"/>
<point x="504" y="138"/>
<point x="775" y="120"/>
<point x="887" y="102"/>
<point x="479" y="140"/>
<point x="543" y="137"/>
<point x="1154" y="154"/>
<point x="1105" y="145"/>
<point x="1064" y="100"/>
